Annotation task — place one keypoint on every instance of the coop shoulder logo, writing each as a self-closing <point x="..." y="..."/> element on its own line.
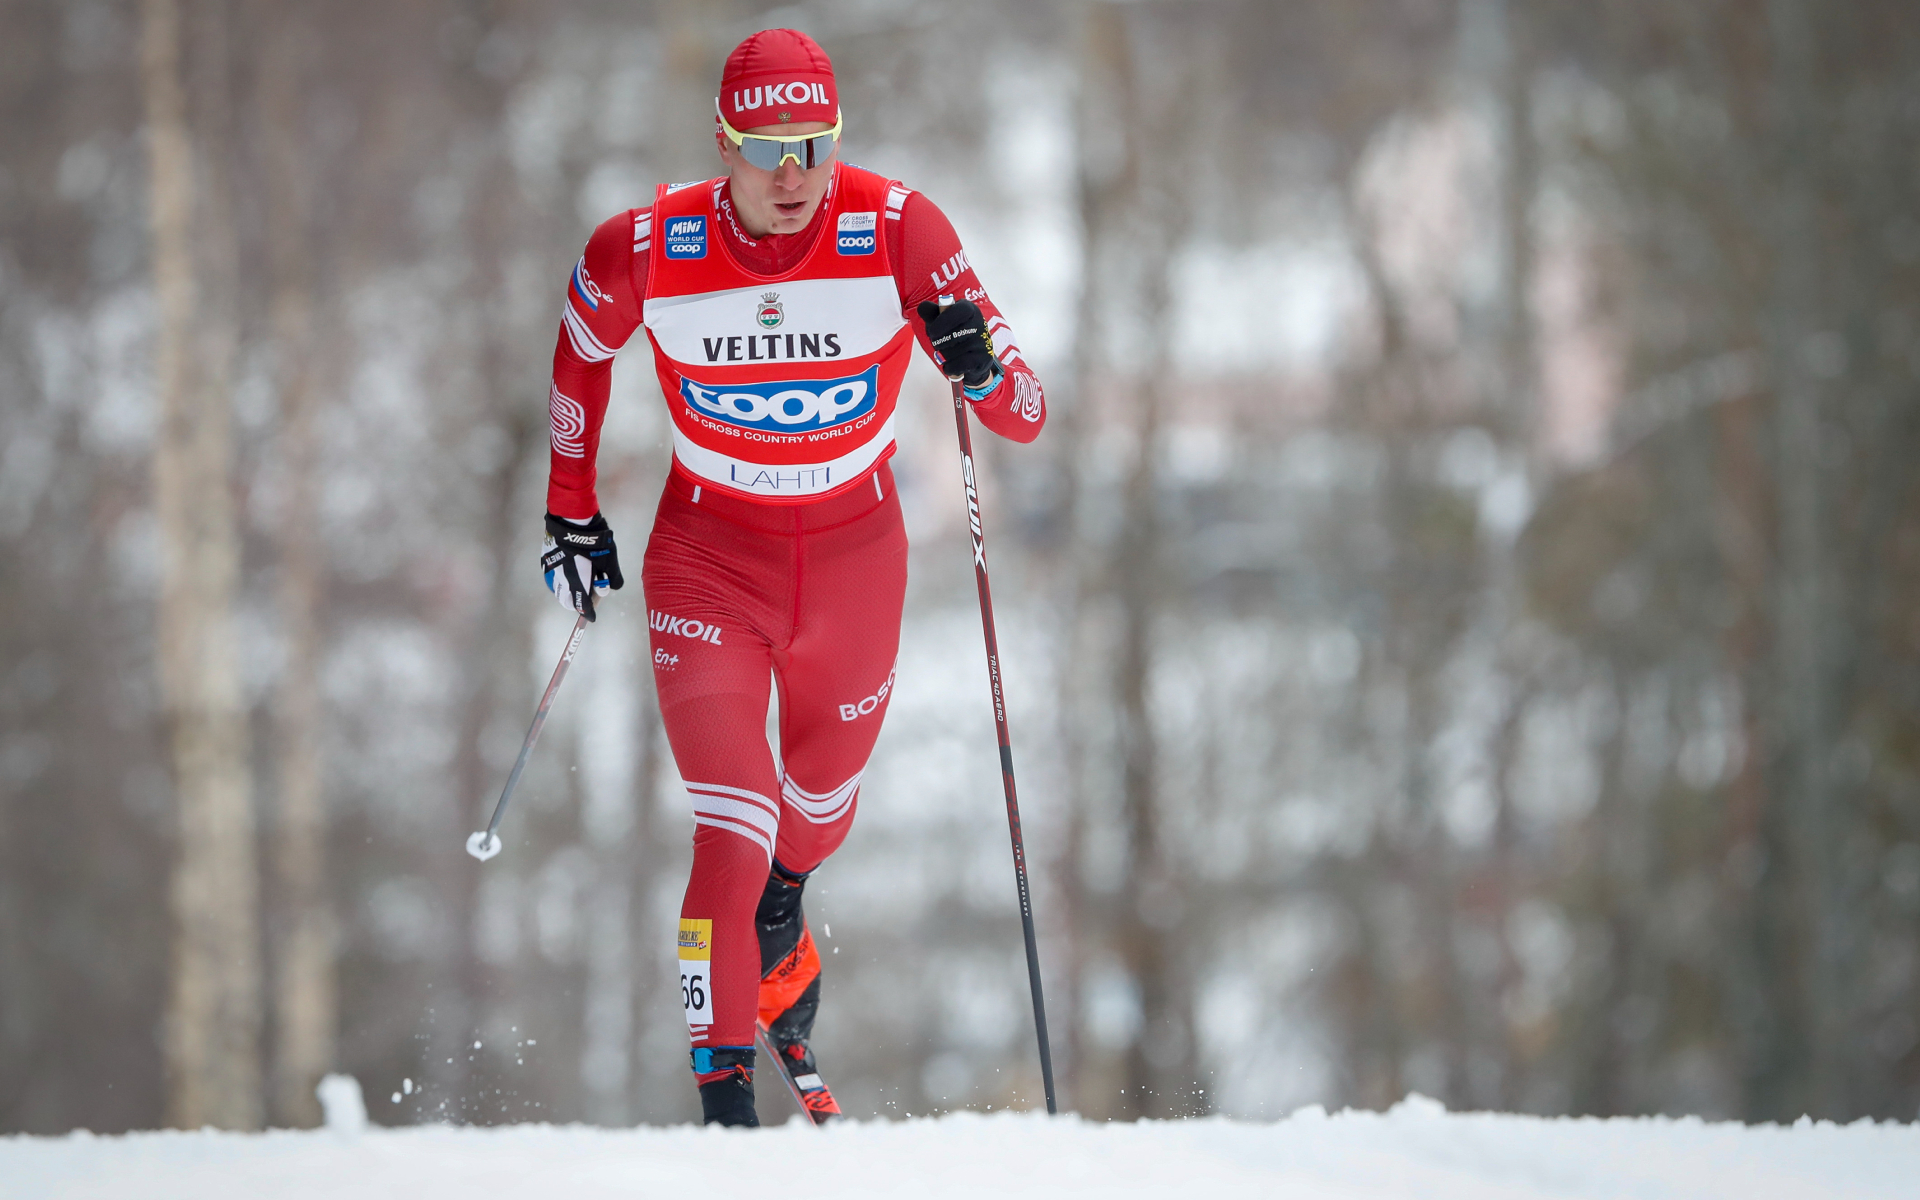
<point x="856" y="232"/>
<point x="770" y="313"/>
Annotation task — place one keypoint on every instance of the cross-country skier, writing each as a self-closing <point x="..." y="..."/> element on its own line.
<point x="782" y="300"/>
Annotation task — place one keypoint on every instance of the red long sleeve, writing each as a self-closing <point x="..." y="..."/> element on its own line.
<point x="602" y="310"/>
<point x="929" y="262"/>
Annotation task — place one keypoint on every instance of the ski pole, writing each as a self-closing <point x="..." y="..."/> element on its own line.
<point x="1006" y="745"/>
<point x="484" y="844"/>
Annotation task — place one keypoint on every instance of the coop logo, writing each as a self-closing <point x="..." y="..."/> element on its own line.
<point x="853" y="712"/>
<point x="687" y="237"/>
<point x="857" y="232"/>
<point x="786" y="405"/>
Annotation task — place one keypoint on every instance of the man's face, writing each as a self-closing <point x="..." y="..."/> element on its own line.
<point x="782" y="200"/>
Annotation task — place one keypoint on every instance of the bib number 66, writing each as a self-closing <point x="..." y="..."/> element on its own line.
<point x="695" y="993"/>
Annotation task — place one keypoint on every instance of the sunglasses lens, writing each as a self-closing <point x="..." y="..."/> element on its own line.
<point x="763" y="154"/>
<point x="768" y="154"/>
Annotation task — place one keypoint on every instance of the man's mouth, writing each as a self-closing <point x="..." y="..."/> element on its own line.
<point x="791" y="208"/>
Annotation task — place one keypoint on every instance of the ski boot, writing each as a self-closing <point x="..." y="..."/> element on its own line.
<point x="790" y="989"/>
<point x="725" y="1075"/>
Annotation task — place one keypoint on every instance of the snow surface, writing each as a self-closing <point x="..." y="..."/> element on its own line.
<point x="1415" y="1150"/>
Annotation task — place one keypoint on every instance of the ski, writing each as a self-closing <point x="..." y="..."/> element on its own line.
<point x="808" y="1090"/>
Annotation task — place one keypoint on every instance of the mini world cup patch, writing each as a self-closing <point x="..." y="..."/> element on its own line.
<point x="687" y="237"/>
<point x="857" y="232"/>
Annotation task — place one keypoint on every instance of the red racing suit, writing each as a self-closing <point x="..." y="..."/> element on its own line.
<point x="777" y="552"/>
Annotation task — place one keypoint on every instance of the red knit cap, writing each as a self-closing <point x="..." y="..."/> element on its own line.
<point x="775" y="77"/>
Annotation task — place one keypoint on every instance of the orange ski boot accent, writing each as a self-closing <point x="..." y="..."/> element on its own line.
<point x="790" y="976"/>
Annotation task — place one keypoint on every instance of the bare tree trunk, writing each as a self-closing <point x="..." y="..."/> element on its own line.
<point x="1161" y="1060"/>
<point x="1513" y="423"/>
<point x="305" y="991"/>
<point x="1153" y="916"/>
<point x="1105" y="177"/>
<point x="1813" y="961"/>
<point x="213" y="1017"/>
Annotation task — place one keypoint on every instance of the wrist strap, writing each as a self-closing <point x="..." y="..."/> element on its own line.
<point x="986" y="389"/>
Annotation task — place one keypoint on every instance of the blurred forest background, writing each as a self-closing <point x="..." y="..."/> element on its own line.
<point x="1462" y="622"/>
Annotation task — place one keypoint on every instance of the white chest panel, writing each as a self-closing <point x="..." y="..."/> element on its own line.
<point x="824" y="320"/>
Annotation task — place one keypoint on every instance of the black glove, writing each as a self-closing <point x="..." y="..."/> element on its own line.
<point x="580" y="560"/>
<point x="958" y="334"/>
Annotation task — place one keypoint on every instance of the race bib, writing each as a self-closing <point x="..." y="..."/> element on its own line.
<point x="696" y="970"/>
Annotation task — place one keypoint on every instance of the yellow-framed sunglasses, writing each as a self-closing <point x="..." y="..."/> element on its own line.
<point x="768" y="153"/>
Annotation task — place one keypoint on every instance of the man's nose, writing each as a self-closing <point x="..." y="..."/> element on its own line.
<point x="788" y="174"/>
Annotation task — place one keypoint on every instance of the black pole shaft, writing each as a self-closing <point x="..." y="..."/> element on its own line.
<point x="539" y="722"/>
<point x="1006" y="744"/>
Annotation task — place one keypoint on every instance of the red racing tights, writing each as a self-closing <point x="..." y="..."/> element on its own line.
<point x="738" y="593"/>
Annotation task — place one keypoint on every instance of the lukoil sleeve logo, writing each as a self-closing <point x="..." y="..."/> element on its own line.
<point x="687" y="237"/>
<point x="786" y="405"/>
<point x="857" y="232"/>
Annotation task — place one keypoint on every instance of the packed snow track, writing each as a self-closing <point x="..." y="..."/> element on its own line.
<point x="1415" y="1150"/>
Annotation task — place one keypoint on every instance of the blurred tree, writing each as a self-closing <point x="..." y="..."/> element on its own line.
<point x="306" y="1006"/>
<point x="1768" y="322"/>
<point x="214" y="1014"/>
